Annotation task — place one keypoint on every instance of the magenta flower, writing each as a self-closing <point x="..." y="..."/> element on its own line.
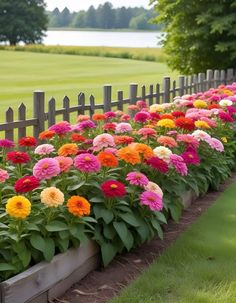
<point x="158" y="164"/>
<point x="179" y="164"/>
<point x="225" y="117"/>
<point x="87" y="163"/>
<point x="103" y="141"/>
<point x="110" y="115"/>
<point x="61" y="127"/>
<point x="215" y="144"/>
<point x="152" y="200"/>
<point x="136" y="178"/>
<point x="190" y="156"/>
<point x="3" y="175"/>
<point x="5" y="143"/>
<point x="142" y="117"/>
<point x="84" y="125"/>
<point x="46" y="168"/>
<point x="44" y="149"/>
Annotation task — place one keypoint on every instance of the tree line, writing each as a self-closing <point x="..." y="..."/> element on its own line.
<point x="105" y="17"/>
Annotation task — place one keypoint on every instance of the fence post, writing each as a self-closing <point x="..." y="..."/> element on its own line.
<point x="107" y="97"/>
<point x="216" y="77"/>
<point x="209" y="77"/>
<point x="9" y="134"/>
<point x="229" y="75"/>
<point x="133" y="91"/>
<point x="201" y="78"/>
<point x="151" y="94"/>
<point x="39" y="97"/>
<point x="166" y="90"/>
<point x="81" y="104"/>
<point x="222" y="77"/>
<point x="66" y="106"/>
<point x="120" y="100"/>
<point x="51" y="112"/>
<point x="21" y="117"/>
<point x="181" y="85"/>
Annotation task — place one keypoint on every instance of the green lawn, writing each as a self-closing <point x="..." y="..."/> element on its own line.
<point x="200" y="267"/>
<point x="60" y="75"/>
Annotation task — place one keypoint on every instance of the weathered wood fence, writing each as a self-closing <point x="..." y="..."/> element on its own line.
<point x="153" y="94"/>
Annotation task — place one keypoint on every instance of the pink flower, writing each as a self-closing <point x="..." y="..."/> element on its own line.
<point x="136" y="178"/>
<point x="152" y="200"/>
<point x="84" y="125"/>
<point x="111" y="150"/>
<point x="141" y="104"/>
<point x="61" y="128"/>
<point x="3" y="175"/>
<point x="200" y="135"/>
<point x="125" y="117"/>
<point x="65" y="163"/>
<point x="179" y="164"/>
<point x="5" y="143"/>
<point x="123" y="128"/>
<point x="151" y="186"/>
<point x="103" y="141"/>
<point x="210" y="122"/>
<point x="147" y="132"/>
<point x="142" y="117"/>
<point x="44" y="149"/>
<point x="188" y="139"/>
<point x="215" y="144"/>
<point x="110" y="115"/>
<point x="87" y="163"/>
<point x="191" y="157"/>
<point x="46" y="168"/>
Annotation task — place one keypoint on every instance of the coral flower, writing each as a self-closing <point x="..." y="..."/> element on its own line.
<point x="82" y="118"/>
<point x="46" y="168"/>
<point x="137" y="178"/>
<point x="167" y="123"/>
<point x="162" y="153"/>
<point x="188" y="139"/>
<point x="68" y="149"/>
<point x="26" y="184"/>
<point x="98" y="117"/>
<point x="44" y="149"/>
<point x="65" y="163"/>
<point x="200" y="104"/>
<point x="158" y="164"/>
<point x="185" y="123"/>
<point x="144" y="150"/>
<point x="103" y="141"/>
<point x="61" y="128"/>
<point x="5" y="143"/>
<point x="27" y="141"/>
<point x="113" y="188"/>
<point x="167" y="141"/>
<point x="151" y="186"/>
<point x="123" y="128"/>
<point x="146" y="132"/>
<point x="152" y="200"/>
<point x="52" y="197"/>
<point x="129" y="155"/>
<point x="18" y="207"/>
<point x="107" y="159"/>
<point x="17" y="157"/>
<point x="87" y="163"/>
<point x="3" y="175"/>
<point x="47" y="134"/>
<point x="123" y="140"/>
<point x="78" y="206"/>
<point x="202" y="124"/>
<point x="77" y="138"/>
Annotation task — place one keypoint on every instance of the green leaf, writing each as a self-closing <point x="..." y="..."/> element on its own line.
<point x="130" y="218"/>
<point x="3" y="225"/>
<point x="157" y="227"/>
<point x="143" y="231"/>
<point x="6" y="267"/>
<point x="109" y="232"/>
<point x="49" y="250"/>
<point x="25" y="257"/>
<point x="97" y="200"/>
<point x="32" y="226"/>
<point x="76" y="186"/>
<point x="160" y="217"/>
<point x="55" y="226"/>
<point x="63" y="244"/>
<point x="38" y="242"/>
<point x="89" y="219"/>
<point x="124" y="234"/>
<point x="101" y="212"/>
<point x="175" y="212"/>
<point x="109" y="252"/>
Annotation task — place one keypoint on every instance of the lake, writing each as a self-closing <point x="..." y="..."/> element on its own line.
<point x="103" y="38"/>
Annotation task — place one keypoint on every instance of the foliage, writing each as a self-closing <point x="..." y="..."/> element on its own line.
<point x="22" y="21"/>
<point x="200" y="34"/>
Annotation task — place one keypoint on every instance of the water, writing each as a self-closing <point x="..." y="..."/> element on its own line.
<point x="103" y="38"/>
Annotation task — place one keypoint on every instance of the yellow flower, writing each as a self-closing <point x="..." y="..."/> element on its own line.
<point x="200" y="104"/>
<point x="201" y="124"/>
<point x="224" y="139"/>
<point x="156" y="108"/>
<point x="52" y="197"/>
<point x="168" y="123"/>
<point x="18" y="207"/>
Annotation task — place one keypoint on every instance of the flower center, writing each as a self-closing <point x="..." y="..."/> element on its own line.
<point x="19" y="205"/>
<point x="87" y="158"/>
<point x="114" y="186"/>
<point x="26" y="181"/>
<point x="190" y="156"/>
<point x="52" y="195"/>
<point x="45" y="166"/>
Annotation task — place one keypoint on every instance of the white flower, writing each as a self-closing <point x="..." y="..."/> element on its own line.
<point x="163" y="153"/>
<point x="225" y="102"/>
<point x="154" y="187"/>
<point x="201" y="135"/>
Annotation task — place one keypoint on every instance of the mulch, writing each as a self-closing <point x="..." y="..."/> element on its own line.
<point x="103" y="284"/>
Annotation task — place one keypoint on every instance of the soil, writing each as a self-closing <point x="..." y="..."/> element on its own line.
<point x="103" y="284"/>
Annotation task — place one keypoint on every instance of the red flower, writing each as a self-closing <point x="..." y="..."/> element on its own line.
<point x="113" y="188"/>
<point x="109" y="126"/>
<point x="123" y="140"/>
<point x="155" y="116"/>
<point x="213" y="105"/>
<point x="158" y="164"/>
<point x="18" y="157"/>
<point x="26" y="184"/>
<point x="27" y="141"/>
<point x="77" y="138"/>
<point x="185" y="123"/>
<point x="178" y="114"/>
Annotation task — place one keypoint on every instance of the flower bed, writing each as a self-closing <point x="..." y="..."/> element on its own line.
<point x="112" y="179"/>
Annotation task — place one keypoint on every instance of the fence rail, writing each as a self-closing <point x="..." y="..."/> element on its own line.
<point x="153" y="94"/>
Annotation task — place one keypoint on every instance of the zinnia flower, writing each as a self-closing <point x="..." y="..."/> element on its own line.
<point x="167" y="141"/>
<point x="87" y="163"/>
<point x="109" y="126"/>
<point x="185" y="123"/>
<point x="158" y="164"/>
<point x="162" y="153"/>
<point x="81" y="118"/>
<point x="77" y="138"/>
<point x="201" y="135"/>
<point x="84" y="125"/>
<point x="44" y="149"/>
<point x="68" y="149"/>
<point x="110" y="115"/>
<point x="18" y="207"/>
<point x="201" y="124"/>
<point x="103" y="141"/>
<point x="156" y="108"/>
<point x="27" y="141"/>
<point x="129" y="155"/>
<point x="178" y="114"/>
<point x="225" y="117"/>
<point x="188" y="139"/>
<point x="151" y="186"/>
<point x="5" y="143"/>
<point x="61" y="128"/>
<point x="78" y="206"/>
<point x="98" y="117"/>
<point x="107" y="159"/>
<point x="3" y="175"/>
<point x="17" y="157"/>
<point x="52" y="197"/>
<point x="46" y="168"/>
<point x="215" y="144"/>
<point x="47" y="134"/>
<point x="123" y="128"/>
<point x="167" y="123"/>
<point x="144" y="150"/>
<point x="123" y="140"/>
<point x="179" y="164"/>
<point x="142" y="117"/>
<point x="200" y="104"/>
<point x="113" y="188"/>
<point x="136" y="178"/>
<point x="190" y="157"/>
<point x="146" y="132"/>
<point x="65" y="163"/>
<point x="225" y="102"/>
<point x="152" y="200"/>
<point x="26" y="184"/>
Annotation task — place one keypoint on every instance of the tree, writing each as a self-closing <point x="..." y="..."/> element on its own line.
<point x="22" y="20"/>
<point x="65" y="18"/>
<point x="54" y="18"/>
<point x="200" y="33"/>
<point x="91" y="18"/>
<point x="106" y="16"/>
<point x="79" y="20"/>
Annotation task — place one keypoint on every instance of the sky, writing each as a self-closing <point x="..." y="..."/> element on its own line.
<point x="76" y="5"/>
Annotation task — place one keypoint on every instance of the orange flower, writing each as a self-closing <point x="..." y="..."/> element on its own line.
<point x="78" y="206"/>
<point x="47" y="134"/>
<point x="129" y="155"/>
<point x="98" y="117"/>
<point x="107" y="159"/>
<point x="167" y="116"/>
<point x="68" y="149"/>
<point x="167" y="141"/>
<point x="77" y="138"/>
<point x="144" y="150"/>
<point x="123" y="140"/>
<point x="81" y="118"/>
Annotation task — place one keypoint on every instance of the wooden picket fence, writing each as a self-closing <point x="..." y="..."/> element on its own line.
<point x="153" y="94"/>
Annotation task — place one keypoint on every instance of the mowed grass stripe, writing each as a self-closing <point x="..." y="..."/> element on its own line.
<point x="200" y="267"/>
<point x="60" y="75"/>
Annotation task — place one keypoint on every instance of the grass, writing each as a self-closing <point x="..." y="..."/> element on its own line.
<point x="200" y="267"/>
<point x="60" y="75"/>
